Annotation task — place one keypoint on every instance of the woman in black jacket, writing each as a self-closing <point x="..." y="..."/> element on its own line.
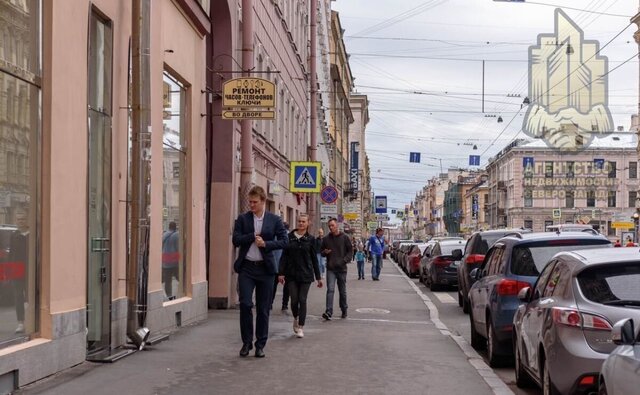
<point x="299" y="266"/>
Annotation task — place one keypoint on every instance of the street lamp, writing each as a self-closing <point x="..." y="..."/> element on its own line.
<point x="636" y="216"/>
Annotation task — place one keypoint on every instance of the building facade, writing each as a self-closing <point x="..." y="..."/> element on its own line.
<point x="533" y="186"/>
<point x="280" y="55"/>
<point x="358" y="174"/>
<point x="65" y="167"/>
<point x="340" y="114"/>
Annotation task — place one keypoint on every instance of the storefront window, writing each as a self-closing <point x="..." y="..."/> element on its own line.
<point x="19" y="169"/>
<point x="174" y="187"/>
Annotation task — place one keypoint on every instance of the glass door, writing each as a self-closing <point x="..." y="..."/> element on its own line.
<point x="99" y="184"/>
<point x="99" y="233"/>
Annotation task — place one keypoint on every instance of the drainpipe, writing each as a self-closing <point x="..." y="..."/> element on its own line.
<point x="138" y="269"/>
<point x="246" y="129"/>
<point x="313" y="103"/>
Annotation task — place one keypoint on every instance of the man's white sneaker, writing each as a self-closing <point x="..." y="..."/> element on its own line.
<point x="300" y="333"/>
<point x="20" y="328"/>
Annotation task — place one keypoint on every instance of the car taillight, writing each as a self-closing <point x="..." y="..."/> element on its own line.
<point x="511" y="287"/>
<point x="474" y="258"/>
<point x="440" y="261"/>
<point x="577" y="319"/>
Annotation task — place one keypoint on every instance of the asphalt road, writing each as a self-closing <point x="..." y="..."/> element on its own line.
<point x="458" y="322"/>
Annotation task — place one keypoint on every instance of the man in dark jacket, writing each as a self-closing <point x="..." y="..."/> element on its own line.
<point x="337" y="248"/>
<point x="257" y="233"/>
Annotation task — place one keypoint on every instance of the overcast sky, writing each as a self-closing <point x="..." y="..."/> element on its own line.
<point x="436" y="47"/>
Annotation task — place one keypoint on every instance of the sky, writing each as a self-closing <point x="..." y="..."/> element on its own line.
<point x="420" y="63"/>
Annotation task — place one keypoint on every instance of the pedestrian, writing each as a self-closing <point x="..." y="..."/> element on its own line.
<point x="617" y="243"/>
<point x="298" y="268"/>
<point x="285" y="290"/>
<point x="258" y="233"/>
<point x="360" y="261"/>
<point x="336" y="247"/>
<point x="170" y="259"/>
<point x="322" y="261"/>
<point x="19" y="257"/>
<point x="376" y="248"/>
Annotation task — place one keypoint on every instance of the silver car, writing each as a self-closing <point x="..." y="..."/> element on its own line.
<point x="619" y="373"/>
<point x="562" y="331"/>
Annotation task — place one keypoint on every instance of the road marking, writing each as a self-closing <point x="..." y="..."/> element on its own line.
<point x="445" y="297"/>
<point x="316" y="317"/>
<point x="475" y="360"/>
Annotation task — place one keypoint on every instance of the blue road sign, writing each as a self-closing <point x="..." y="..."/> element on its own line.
<point x="414" y="157"/>
<point x="474" y="160"/>
<point x="527" y="161"/>
<point x="304" y="176"/>
<point x="381" y="204"/>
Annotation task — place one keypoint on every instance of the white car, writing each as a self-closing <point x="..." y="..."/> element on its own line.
<point x="619" y="374"/>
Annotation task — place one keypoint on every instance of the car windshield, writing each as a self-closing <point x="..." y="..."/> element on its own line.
<point x="613" y="284"/>
<point x="529" y="259"/>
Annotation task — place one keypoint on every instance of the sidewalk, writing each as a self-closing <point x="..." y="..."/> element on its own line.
<point x="387" y="345"/>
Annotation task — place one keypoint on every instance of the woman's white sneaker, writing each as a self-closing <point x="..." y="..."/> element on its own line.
<point x="296" y="327"/>
<point x="300" y="333"/>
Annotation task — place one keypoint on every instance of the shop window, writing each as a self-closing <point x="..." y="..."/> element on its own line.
<point x="528" y="224"/>
<point x="20" y="170"/>
<point x="174" y="153"/>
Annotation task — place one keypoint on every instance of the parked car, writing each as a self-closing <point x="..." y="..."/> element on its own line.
<point x="562" y="332"/>
<point x="569" y="228"/>
<point x="402" y="251"/>
<point x="412" y="259"/>
<point x="514" y="262"/>
<point x="474" y="252"/>
<point x="439" y="265"/>
<point x="394" y="248"/>
<point x="619" y="373"/>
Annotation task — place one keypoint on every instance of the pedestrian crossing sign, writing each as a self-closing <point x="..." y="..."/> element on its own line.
<point x="305" y="176"/>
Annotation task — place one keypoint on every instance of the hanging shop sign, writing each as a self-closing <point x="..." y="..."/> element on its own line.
<point x="248" y="98"/>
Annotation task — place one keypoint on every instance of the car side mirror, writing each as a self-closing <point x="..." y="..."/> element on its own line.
<point x="457" y="254"/>
<point x="524" y="294"/>
<point x="476" y="274"/>
<point x="623" y="332"/>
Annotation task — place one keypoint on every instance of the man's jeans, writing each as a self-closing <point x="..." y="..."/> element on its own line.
<point x="254" y="277"/>
<point x="376" y="266"/>
<point x="341" y="277"/>
<point x="322" y="264"/>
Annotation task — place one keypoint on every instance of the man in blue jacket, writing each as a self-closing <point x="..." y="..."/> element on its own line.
<point x="376" y="249"/>
<point x="258" y="234"/>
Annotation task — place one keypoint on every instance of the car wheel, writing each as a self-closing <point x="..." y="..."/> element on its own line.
<point x="460" y="297"/>
<point x="495" y="360"/>
<point x="465" y="305"/>
<point x="434" y="287"/>
<point x="477" y="341"/>
<point x="602" y="388"/>
<point x="522" y="378"/>
<point x="547" y="385"/>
